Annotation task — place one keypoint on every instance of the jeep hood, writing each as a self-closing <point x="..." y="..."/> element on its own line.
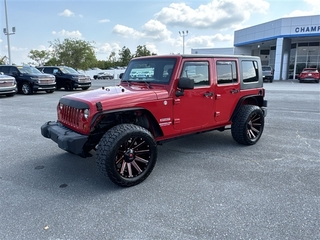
<point x="118" y="96"/>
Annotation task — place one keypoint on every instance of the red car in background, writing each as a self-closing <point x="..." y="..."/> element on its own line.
<point x="309" y="74"/>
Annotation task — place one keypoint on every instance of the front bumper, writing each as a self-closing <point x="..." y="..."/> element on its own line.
<point x="66" y="139"/>
<point x="81" y="85"/>
<point x="44" y="87"/>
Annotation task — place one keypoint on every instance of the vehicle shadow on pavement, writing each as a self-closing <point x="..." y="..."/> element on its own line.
<point x="62" y="173"/>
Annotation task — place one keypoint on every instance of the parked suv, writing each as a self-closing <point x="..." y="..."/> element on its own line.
<point x="267" y="72"/>
<point x="182" y="95"/>
<point x="29" y="79"/>
<point x="8" y="85"/>
<point x="67" y="77"/>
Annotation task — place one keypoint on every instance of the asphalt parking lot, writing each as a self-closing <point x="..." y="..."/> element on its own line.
<point x="203" y="187"/>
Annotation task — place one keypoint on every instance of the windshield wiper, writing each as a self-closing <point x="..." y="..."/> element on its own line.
<point x="148" y="84"/>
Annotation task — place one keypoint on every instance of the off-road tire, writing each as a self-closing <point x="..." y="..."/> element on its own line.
<point x="26" y="88"/>
<point x="127" y="154"/>
<point x="247" y="126"/>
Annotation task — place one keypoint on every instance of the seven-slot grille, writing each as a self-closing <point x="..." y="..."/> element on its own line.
<point x="70" y="116"/>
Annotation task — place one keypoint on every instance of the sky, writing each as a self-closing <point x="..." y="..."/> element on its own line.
<point x="110" y="25"/>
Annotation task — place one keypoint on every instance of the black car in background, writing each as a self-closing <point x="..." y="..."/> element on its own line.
<point x="29" y="79"/>
<point x="67" y="77"/>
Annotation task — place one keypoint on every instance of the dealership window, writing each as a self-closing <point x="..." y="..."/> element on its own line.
<point x="226" y="72"/>
<point x="307" y="56"/>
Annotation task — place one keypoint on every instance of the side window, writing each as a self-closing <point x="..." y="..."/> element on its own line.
<point x="5" y="69"/>
<point x="198" y="71"/>
<point x="226" y="72"/>
<point x="47" y="70"/>
<point x="12" y="70"/>
<point x="250" y="71"/>
<point x="55" y="70"/>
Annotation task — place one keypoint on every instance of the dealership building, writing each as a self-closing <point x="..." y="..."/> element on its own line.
<point x="286" y="44"/>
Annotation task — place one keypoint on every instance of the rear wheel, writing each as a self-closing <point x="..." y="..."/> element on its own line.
<point x="26" y="89"/>
<point x="127" y="153"/>
<point x="247" y="126"/>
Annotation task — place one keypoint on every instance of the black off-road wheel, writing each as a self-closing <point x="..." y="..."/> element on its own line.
<point x="247" y="126"/>
<point x="68" y="86"/>
<point x="26" y="89"/>
<point x="127" y="154"/>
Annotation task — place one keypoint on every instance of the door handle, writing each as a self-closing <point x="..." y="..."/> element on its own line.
<point x="234" y="91"/>
<point x="208" y="94"/>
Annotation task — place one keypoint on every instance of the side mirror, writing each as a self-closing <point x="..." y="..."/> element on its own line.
<point x="121" y="75"/>
<point x="184" y="83"/>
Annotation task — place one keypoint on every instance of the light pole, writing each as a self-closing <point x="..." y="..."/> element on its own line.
<point x="183" y="34"/>
<point x="7" y="32"/>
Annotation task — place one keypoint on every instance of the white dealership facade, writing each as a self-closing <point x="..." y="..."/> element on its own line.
<point x="286" y="44"/>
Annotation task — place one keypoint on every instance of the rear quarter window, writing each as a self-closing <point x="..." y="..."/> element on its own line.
<point x="250" y="71"/>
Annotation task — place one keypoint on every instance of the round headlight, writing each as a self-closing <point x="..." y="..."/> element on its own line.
<point x="86" y="113"/>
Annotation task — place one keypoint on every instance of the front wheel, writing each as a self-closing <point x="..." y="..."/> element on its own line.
<point x="127" y="153"/>
<point x="247" y="126"/>
<point x="26" y="89"/>
<point x="68" y="86"/>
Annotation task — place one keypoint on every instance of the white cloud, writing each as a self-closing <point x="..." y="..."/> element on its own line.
<point x="108" y="48"/>
<point x="314" y="10"/>
<point x="18" y="49"/>
<point x="208" y="41"/>
<point x="155" y="30"/>
<point x="104" y="21"/>
<point x="214" y="15"/>
<point x="126" y="31"/>
<point x="67" y="13"/>
<point x="67" y="34"/>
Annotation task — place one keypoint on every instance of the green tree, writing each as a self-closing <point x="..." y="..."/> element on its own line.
<point x="74" y="53"/>
<point x="40" y="56"/>
<point x="112" y="59"/>
<point x="142" y="51"/>
<point x="124" y="56"/>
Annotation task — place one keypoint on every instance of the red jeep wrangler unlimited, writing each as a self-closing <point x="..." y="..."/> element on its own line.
<point x="160" y="98"/>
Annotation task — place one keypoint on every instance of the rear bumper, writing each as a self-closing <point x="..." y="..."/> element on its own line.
<point x="264" y="107"/>
<point x="66" y="139"/>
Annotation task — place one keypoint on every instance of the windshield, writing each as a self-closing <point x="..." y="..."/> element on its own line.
<point x="266" y="68"/>
<point x="68" y="70"/>
<point x="29" y="70"/>
<point x="152" y="70"/>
